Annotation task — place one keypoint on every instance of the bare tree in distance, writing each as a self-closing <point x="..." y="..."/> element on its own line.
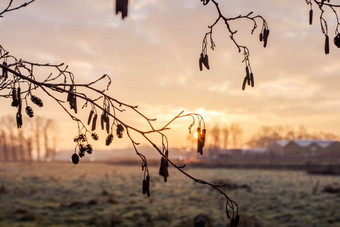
<point x="236" y="133"/>
<point x="215" y="133"/>
<point x="226" y="133"/>
<point x="20" y="82"/>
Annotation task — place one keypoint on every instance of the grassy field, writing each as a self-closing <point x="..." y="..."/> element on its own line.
<point x="98" y="194"/>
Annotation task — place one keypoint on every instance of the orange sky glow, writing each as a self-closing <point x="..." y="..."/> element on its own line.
<point x="152" y="58"/>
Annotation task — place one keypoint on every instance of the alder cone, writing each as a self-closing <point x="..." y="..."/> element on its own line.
<point x="37" y="101"/>
<point x="109" y="139"/>
<point x="94" y="136"/>
<point x="337" y="40"/>
<point x="89" y="148"/>
<point x="29" y="111"/>
<point x="119" y="131"/>
<point x="81" y="154"/>
<point x="75" y="159"/>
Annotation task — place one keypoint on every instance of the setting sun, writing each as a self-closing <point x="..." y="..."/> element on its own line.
<point x="195" y="134"/>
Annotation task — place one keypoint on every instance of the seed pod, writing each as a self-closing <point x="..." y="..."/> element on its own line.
<point x="4" y="71"/>
<point x="81" y="154"/>
<point x="102" y="120"/>
<point x="19" y="120"/>
<point x="144" y="186"/>
<point x="326" y="44"/>
<point x="94" y="136"/>
<point x="206" y="62"/>
<point x="266" y="34"/>
<point x="15" y="102"/>
<point x="247" y="71"/>
<point x="337" y="40"/>
<point x="201" y="62"/>
<point x="204" y="131"/>
<point x="232" y="222"/>
<point x="94" y="122"/>
<point x="37" y="101"/>
<point x="29" y="111"/>
<point x="109" y="139"/>
<point x="265" y="37"/>
<point x="107" y="124"/>
<point x="125" y="9"/>
<point x="252" y="79"/>
<point x="74" y="101"/>
<point x="89" y="148"/>
<point x="147" y="185"/>
<point x="237" y="219"/>
<point x="310" y="16"/>
<point x="163" y="169"/>
<point x="199" y="142"/>
<point x="19" y="98"/>
<point x="82" y="148"/>
<point x="119" y="131"/>
<point x="261" y="37"/>
<point x="69" y="96"/>
<point x="90" y="117"/>
<point x="75" y="159"/>
<point x="244" y="82"/>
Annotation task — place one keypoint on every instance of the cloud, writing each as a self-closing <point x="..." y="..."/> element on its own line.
<point x="152" y="57"/>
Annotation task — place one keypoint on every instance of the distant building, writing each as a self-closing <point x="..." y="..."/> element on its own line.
<point x="277" y="148"/>
<point x="224" y="154"/>
<point x="254" y="152"/>
<point x="305" y="148"/>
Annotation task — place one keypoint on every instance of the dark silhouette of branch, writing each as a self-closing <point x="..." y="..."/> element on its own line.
<point x="263" y="36"/>
<point x="10" y="7"/>
<point x="20" y="83"/>
<point x="321" y="6"/>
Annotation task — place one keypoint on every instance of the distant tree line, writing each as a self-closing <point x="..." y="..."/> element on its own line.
<point x="36" y="142"/>
<point x="231" y="136"/>
<point x="267" y="135"/>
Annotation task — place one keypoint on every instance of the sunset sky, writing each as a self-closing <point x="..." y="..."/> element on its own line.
<point x="152" y="58"/>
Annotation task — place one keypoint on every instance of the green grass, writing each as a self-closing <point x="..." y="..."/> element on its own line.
<point x="97" y="194"/>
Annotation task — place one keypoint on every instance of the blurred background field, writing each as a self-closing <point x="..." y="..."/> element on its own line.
<point x="100" y="194"/>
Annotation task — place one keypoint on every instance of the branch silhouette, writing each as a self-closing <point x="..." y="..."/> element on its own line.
<point x="19" y="81"/>
<point x="322" y="6"/>
<point x="263" y="36"/>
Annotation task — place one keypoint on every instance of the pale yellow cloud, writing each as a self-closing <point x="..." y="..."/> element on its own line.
<point x="152" y="57"/>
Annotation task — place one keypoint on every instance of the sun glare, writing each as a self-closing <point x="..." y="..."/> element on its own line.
<point x="195" y="134"/>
